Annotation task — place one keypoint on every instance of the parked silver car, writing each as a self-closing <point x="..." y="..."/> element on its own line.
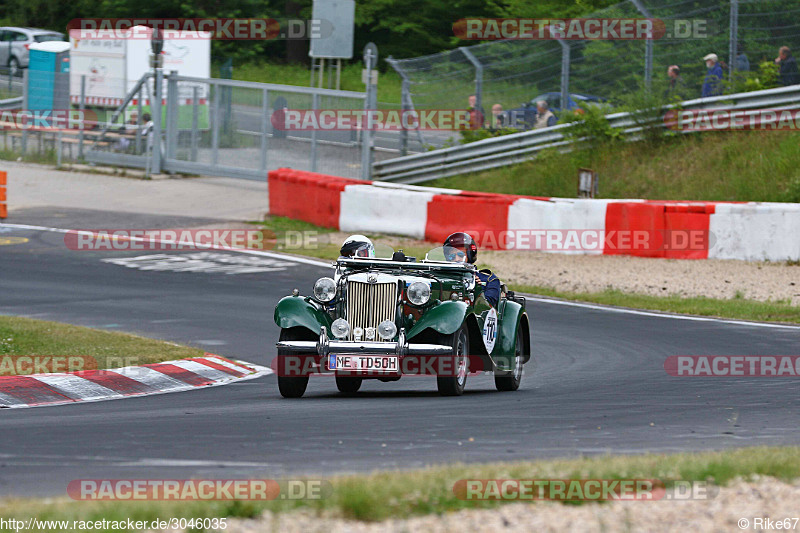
<point x="14" y="43"/>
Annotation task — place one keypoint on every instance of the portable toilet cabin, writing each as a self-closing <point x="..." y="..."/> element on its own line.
<point x="48" y="76"/>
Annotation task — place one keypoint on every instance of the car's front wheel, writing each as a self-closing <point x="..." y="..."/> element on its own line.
<point x="509" y="381"/>
<point x="292" y="386"/>
<point x="453" y="383"/>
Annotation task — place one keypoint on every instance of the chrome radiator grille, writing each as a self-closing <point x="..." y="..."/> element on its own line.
<point x="369" y="304"/>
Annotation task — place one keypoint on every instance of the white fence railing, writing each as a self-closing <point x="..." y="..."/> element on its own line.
<point x="518" y="147"/>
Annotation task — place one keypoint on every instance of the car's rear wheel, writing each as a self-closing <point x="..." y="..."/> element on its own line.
<point x="509" y="381"/>
<point x="453" y="385"/>
<point x="348" y="385"/>
<point x="293" y="386"/>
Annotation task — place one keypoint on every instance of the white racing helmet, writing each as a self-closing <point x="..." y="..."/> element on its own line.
<point x="357" y="246"/>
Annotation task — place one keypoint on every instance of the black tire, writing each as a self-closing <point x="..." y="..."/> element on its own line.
<point x="13" y="67"/>
<point x="509" y="381"/>
<point x="293" y="387"/>
<point x="348" y="385"/>
<point x="454" y="385"/>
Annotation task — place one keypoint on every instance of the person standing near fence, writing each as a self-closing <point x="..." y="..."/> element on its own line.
<point x="677" y="87"/>
<point x="476" y="114"/>
<point x="712" y="85"/>
<point x="545" y="118"/>
<point x="788" y="74"/>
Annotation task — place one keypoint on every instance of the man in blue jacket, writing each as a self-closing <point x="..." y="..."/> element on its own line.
<point x="712" y="85"/>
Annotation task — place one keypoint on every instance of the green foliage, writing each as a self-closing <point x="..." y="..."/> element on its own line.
<point x="793" y="190"/>
<point x="647" y="108"/>
<point x="590" y="125"/>
<point x="468" y="136"/>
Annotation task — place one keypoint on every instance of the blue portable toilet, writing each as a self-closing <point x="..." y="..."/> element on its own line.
<point x="48" y="76"/>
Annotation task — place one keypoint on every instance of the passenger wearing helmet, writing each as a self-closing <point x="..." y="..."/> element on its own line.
<point x="461" y="247"/>
<point x="357" y="246"/>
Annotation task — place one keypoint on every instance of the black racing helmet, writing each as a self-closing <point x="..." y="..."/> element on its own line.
<point x="357" y="246"/>
<point x="460" y="243"/>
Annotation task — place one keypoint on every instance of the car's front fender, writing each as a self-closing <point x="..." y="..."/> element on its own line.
<point x="294" y="311"/>
<point x="444" y="318"/>
<point x="514" y="322"/>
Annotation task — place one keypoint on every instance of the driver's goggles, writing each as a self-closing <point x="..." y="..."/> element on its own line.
<point x="451" y="256"/>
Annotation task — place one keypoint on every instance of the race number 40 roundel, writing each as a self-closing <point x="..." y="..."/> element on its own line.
<point x="490" y="330"/>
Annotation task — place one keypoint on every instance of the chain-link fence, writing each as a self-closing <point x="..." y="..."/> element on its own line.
<point x="745" y="34"/>
<point x="206" y="126"/>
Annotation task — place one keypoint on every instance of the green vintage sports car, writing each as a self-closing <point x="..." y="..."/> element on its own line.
<point x="382" y="318"/>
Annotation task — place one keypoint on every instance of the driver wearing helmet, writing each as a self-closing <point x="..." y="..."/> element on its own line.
<point x="357" y="246"/>
<point x="460" y="247"/>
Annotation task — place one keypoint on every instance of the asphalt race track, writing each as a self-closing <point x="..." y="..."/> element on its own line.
<point x="598" y="384"/>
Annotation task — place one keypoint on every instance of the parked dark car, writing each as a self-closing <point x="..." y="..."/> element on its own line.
<point x="524" y="117"/>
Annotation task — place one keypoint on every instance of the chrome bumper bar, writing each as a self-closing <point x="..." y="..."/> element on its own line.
<point x="324" y="346"/>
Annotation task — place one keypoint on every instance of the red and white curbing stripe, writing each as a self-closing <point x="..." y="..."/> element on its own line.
<point x="746" y="231"/>
<point x="96" y="385"/>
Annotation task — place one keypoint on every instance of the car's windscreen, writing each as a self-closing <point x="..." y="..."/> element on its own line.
<point x="383" y="251"/>
<point x="47" y="37"/>
<point x="446" y="253"/>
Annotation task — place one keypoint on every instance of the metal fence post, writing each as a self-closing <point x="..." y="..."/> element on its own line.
<point x="565" y="51"/>
<point x="155" y="105"/>
<point x="478" y="75"/>
<point x="139" y="104"/>
<point x="195" y="120"/>
<point x="215" y="127"/>
<point x="314" y="107"/>
<point x="733" y="43"/>
<point x="264" y="128"/>
<point x="24" y="107"/>
<point x="405" y="100"/>
<point x="648" y="47"/>
<point x="172" y="115"/>
<point x="370" y="103"/>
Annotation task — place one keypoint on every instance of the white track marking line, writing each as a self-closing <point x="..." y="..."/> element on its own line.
<point x="623" y="310"/>
<point x="608" y="309"/>
<point x="262" y="253"/>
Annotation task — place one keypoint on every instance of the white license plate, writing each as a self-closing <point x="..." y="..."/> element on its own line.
<point x="368" y="363"/>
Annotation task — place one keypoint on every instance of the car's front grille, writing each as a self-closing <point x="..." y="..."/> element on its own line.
<point x="369" y="304"/>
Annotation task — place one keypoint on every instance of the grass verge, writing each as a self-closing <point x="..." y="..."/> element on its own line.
<point x="383" y="495"/>
<point x="110" y="349"/>
<point x="759" y="166"/>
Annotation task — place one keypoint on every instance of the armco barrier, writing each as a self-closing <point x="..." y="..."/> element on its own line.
<point x="672" y="230"/>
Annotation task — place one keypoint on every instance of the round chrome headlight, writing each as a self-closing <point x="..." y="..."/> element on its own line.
<point x="387" y="330"/>
<point x="325" y="289"/>
<point x="340" y="328"/>
<point x="418" y="293"/>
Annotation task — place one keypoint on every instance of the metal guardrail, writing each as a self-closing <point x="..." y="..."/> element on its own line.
<point x="11" y="103"/>
<point x="518" y="147"/>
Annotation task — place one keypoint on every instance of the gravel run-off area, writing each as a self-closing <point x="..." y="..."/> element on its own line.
<point x="762" y="499"/>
